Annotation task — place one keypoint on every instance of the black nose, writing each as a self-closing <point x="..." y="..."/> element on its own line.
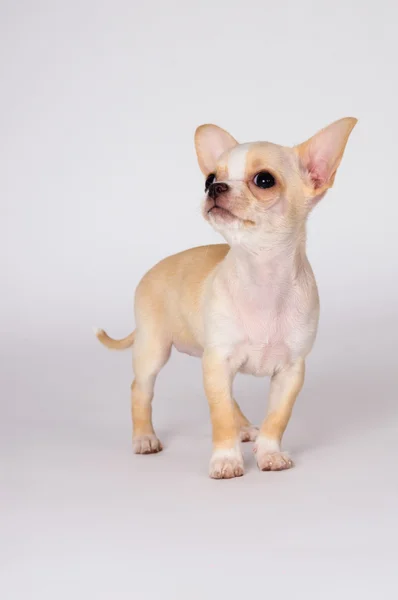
<point x="216" y="189"/>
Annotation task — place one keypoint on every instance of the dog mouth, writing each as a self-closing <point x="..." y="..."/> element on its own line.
<point x="222" y="212"/>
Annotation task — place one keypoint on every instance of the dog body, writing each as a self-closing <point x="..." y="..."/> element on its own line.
<point x="262" y="319"/>
<point x="248" y="306"/>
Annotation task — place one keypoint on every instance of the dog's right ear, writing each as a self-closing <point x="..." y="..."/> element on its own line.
<point x="210" y="142"/>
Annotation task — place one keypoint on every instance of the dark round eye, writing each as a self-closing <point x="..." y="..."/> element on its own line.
<point x="264" y="180"/>
<point x="209" y="181"/>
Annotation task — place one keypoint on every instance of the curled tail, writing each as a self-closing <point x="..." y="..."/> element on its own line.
<point x="114" y="344"/>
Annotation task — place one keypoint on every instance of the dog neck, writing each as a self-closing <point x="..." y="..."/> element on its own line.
<point x="276" y="262"/>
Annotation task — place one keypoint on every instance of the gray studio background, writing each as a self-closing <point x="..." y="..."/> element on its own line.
<point x="98" y="180"/>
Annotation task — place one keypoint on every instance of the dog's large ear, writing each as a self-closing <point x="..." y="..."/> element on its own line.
<point x="321" y="155"/>
<point x="210" y="142"/>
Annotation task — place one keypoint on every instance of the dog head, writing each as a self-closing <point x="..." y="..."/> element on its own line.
<point x="258" y="189"/>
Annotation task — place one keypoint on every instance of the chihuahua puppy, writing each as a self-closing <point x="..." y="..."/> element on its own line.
<point x="248" y="306"/>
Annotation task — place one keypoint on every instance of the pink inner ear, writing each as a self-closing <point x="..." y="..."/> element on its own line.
<point x="318" y="170"/>
<point x="320" y="156"/>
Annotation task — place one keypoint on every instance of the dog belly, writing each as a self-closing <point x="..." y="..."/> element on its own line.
<point x="188" y="349"/>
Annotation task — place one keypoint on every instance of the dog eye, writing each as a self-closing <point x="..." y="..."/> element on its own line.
<point x="264" y="180"/>
<point x="209" y="181"/>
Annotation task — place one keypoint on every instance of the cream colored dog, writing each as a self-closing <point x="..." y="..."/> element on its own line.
<point x="250" y="305"/>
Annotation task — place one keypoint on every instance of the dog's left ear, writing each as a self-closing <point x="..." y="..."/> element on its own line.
<point x="321" y="155"/>
<point x="210" y="142"/>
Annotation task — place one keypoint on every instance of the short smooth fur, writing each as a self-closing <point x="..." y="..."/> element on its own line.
<point x="250" y="305"/>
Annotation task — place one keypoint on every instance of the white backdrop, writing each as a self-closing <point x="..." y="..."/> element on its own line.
<point x="99" y="103"/>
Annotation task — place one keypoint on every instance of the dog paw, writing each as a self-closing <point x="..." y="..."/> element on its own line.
<point x="269" y="457"/>
<point x="226" y="464"/>
<point x="274" y="461"/>
<point x="248" y="434"/>
<point x="146" y="444"/>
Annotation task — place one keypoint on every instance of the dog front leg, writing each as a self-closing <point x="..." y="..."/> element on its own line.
<point x="226" y="461"/>
<point x="285" y="387"/>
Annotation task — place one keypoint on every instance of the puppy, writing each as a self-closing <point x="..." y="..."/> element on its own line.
<point x="248" y="306"/>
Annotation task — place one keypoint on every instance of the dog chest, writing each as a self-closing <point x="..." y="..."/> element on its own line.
<point x="263" y="359"/>
<point x="265" y="339"/>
